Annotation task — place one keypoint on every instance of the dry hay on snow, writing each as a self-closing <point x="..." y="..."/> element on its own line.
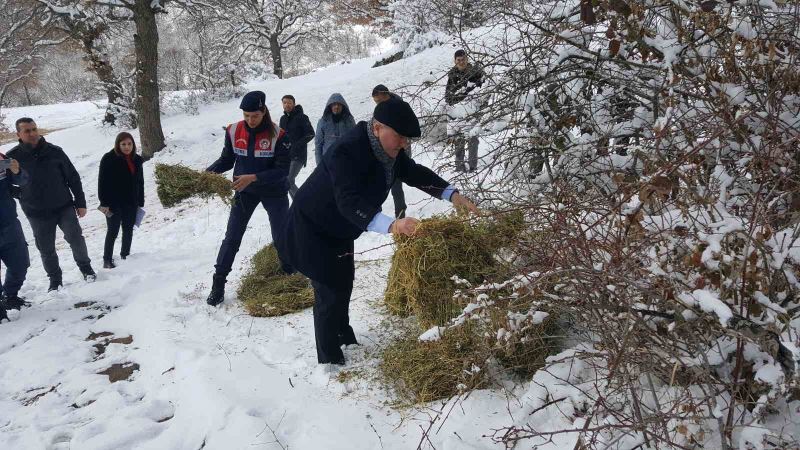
<point x="177" y="183"/>
<point x="504" y="334"/>
<point x="267" y="291"/>
<point x="422" y="372"/>
<point x="421" y="276"/>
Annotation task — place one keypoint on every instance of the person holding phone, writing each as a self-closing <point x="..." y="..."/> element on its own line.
<point x="13" y="247"/>
<point x="120" y="188"/>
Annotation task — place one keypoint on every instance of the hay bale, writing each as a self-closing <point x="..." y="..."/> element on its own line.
<point x="420" y="278"/>
<point x="267" y="291"/>
<point x="422" y="372"/>
<point x="177" y="183"/>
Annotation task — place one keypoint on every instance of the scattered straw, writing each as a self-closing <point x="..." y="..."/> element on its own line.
<point x="421" y="372"/>
<point x="177" y="183"/>
<point x="267" y="291"/>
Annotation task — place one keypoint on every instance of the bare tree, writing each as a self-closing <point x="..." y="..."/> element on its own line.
<point x="91" y="19"/>
<point x="25" y="31"/>
<point x="89" y="29"/>
<point x="274" y="25"/>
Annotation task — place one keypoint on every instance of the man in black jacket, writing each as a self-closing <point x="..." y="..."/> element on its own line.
<point x="381" y="93"/>
<point x="13" y="248"/>
<point x="254" y="150"/>
<point x="340" y="200"/>
<point x="299" y="133"/>
<point x="53" y="198"/>
<point x="462" y="79"/>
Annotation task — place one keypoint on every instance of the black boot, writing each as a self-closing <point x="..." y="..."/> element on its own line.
<point x="55" y="283"/>
<point x="88" y="274"/>
<point x="400" y="213"/>
<point x="217" y="294"/>
<point x="14" y="302"/>
<point x="3" y="315"/>
<point x="109" y="264"/>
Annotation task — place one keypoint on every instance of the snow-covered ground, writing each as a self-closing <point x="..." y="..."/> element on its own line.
<point x="208" y="378"/>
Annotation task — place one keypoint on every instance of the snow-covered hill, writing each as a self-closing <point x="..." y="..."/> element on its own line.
<point x="208" y="378"/>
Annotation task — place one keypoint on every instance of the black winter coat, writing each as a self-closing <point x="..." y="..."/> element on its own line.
<point x="54" y="182"/>
<point x="299" y="133"/>
<point x="116" y="185"/>
<point x="337" y="203"/>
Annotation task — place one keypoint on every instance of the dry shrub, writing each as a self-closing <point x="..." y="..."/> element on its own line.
<point x="420" y="279"/>
<point x="521" y="341"/>
<point x="267" y="291"/>
<point x="177" y="183"/>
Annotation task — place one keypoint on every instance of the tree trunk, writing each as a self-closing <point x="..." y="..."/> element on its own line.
<point x="148" y="106"/>
<point x="27" y="93"/>
<point x="105" y="73"/>
<point x="277" y="59"/>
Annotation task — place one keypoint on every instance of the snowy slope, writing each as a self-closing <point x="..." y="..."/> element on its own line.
<point x="207" y="378"/>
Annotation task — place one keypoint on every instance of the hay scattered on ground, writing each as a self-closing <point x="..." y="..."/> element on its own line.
<point x="177" y="183"/>
<point x="267" y="291"/>
<point x="507" y="337"/>
<point x="420" y="279"/>
<point x="422" y="372"/>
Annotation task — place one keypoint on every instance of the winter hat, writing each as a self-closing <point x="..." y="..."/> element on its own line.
<point x="379" y="89"/>
<point x="398" y="115"/>
<point x="253" y="101"/>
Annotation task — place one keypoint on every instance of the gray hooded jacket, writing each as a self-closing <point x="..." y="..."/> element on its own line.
<point x="328" y="129"/>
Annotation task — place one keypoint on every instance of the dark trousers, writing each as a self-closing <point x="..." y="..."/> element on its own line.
<point x="125" y="217"/>
<point x="294" y="168"/>
<point x="399" y="198"/>
<point x="44" y="233"/>
<point x="14" y="255"/>
<point x="244" y="204"/>
<point x="470" y="144"/>
<point x="332" y="322"/>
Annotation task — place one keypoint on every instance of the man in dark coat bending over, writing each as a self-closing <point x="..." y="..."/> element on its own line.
<point x="340" y="200"/>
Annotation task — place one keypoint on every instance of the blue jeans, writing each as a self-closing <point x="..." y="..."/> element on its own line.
<point x="15" y="258"/>
<point x="244" y="205"/>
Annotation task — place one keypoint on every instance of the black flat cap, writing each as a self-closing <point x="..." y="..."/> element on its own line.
<point x="398" y="115"/>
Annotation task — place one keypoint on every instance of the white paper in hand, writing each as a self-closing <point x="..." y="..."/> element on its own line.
<point x="139" y="216"/>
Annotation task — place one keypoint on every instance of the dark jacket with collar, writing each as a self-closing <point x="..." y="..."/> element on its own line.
<point x="299" y="133"/>
<point x="271" y="170"/>
<point x="337" y="203"/>
<point x="9" y="182"/>
<point x="116" y="185"/>
<point x="461" y="83"/>
<point x="54" y="182"/>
